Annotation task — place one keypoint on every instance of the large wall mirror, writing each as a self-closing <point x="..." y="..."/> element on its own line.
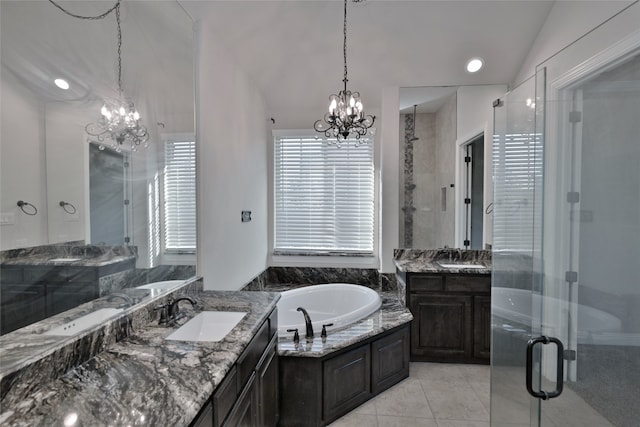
<point x="94" y="219"/>
<point x="445" y="171"/>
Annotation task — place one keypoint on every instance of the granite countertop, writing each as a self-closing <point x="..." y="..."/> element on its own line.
<point x="391" y="314"/>
<point x="434" y="266"/>
<point x="49" y="261"/>
<point x="145" y="379"/>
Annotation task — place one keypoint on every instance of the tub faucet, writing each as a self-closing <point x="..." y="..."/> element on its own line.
<point x="307" y="322"/>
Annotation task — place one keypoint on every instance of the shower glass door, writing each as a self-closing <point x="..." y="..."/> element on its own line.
<point x="566" y="288"/>
<point x="515" y="302"/>
<point x="591" y="288"/>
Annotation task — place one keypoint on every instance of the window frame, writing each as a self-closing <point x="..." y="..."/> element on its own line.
<point x="176" y="256"/>
<point x="321" y="259"/>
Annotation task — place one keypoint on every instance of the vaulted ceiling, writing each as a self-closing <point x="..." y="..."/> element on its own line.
<point x="293" y="49"/>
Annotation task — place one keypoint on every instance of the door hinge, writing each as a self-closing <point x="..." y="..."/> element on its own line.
<point x="126" y="164"/>
<point x="573" y="197"/>
<point x="498" y="103"/>
<point x="575" y="117"/>
<point x="571" y="276"/>
<point x="466" y="243"/>
<point x="126" y="201"/>
<point x="467" y="201"/>
<point x="127" y="239"/>
<point x="467" y="159"/>
<point x="569" y="355"/>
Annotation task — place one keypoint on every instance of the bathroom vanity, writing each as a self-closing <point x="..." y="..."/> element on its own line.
<point x="449" y="295"/>
<point x="145" y="378"/>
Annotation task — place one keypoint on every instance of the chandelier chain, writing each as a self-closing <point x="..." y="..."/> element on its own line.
<point x="344" y="48"/>
<point x="116" y="8"/>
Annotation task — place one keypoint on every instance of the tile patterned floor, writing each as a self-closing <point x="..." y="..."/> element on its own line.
<point x="435" y="395"/>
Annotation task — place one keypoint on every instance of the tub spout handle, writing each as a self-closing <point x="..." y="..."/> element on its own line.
<point x="307" y="322"/>
<point x="296" y="336"/>
<point x="323" y="334"/>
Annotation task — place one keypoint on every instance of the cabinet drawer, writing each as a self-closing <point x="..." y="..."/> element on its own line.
<point x="252" y="354"/>
<point x="225" y="396"/>
<point x="427" y="283"/>
<point x="465" y="283"/>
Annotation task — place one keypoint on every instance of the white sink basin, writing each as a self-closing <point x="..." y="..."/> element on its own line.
<point x="460" y="265"/>
<point x="208" y="326"/>
<point x="85" y="322"/>
<point x="165" y="285"/>
<point x="65" y="259"/>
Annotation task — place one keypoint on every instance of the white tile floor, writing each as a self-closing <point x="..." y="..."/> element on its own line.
<point x="434" y="395"/>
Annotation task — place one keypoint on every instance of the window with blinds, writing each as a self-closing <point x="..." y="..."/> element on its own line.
<point x="517" y="167"/>
<point x="324" y="196"/>
<point x="180" y="197"/>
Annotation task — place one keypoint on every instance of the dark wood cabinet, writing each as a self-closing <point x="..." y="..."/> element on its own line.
<point x="452" y="317"/>
<point x="248" y="396"/>
<point x="204" y="419"/>
<point x="317" y="391"/>
<point x="347" y="381"/>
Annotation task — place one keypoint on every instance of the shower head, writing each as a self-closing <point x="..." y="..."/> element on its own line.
<point x="413" y="130"/>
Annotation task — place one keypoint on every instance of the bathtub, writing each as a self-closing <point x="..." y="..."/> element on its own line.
<point x="515" y="305"/>
<point x="337" y="303"/>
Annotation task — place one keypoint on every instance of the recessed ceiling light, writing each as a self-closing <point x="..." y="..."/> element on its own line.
<point x="474" y="65"/>
<point x="61" y="83"/>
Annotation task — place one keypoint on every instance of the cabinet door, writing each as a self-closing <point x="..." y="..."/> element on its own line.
<point x="347" y="382"/>
<point x="268" y="399"/>
<point x="205" y="418"/>
<point x="245" y="411"/>
<point x="22" y="305"/>
<point x="441" y="330"/>
<point x="482" y="327"/>
<point x="389" y="360"/>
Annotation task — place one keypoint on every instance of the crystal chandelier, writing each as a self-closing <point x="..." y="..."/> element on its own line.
<point x="346" y="112"/>
<point x="119" y="121"/>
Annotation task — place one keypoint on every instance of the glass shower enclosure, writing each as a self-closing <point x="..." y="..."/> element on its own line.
<point x="566" y="281"/>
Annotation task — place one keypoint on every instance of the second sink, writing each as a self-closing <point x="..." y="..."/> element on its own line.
<point x="208" y="326"/>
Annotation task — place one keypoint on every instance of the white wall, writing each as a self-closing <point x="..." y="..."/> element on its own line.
<point x="232" y="137"/>
<point x="475" y="115"/>
<point x="567" y="21"/>
<point x="23" y="169"/>
<point x="66" y="159"/>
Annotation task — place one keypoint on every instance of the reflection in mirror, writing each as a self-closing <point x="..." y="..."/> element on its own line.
<point x="103" y="215"/>
<point x="428" y="147"/>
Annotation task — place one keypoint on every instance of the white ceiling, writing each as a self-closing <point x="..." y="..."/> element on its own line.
<point x="293" y="49"/>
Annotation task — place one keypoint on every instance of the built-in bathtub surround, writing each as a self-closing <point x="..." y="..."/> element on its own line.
<point x="29" y="358"/>
<point x="144" y="379"/>
<point x="391" y="314"/>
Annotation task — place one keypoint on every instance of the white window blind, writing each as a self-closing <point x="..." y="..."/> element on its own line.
<point x="180" y="196"/>
<point x="324" y="196"/>
<point x="517" y="163"/>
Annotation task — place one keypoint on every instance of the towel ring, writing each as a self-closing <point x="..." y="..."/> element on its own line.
<point x="21" y="204"/>
<point x="70" y="211"/>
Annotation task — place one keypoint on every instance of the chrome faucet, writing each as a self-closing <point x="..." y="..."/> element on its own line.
<point x="307" y="322"/>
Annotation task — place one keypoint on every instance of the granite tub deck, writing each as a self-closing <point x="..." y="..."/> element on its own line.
<point x="145" y="379"/>
<point x="390" y="315"/>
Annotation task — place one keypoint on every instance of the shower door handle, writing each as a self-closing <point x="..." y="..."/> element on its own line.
<point x="544" y="395"/>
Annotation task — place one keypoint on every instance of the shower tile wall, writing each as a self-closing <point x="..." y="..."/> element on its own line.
<point x="429" y="163"/>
